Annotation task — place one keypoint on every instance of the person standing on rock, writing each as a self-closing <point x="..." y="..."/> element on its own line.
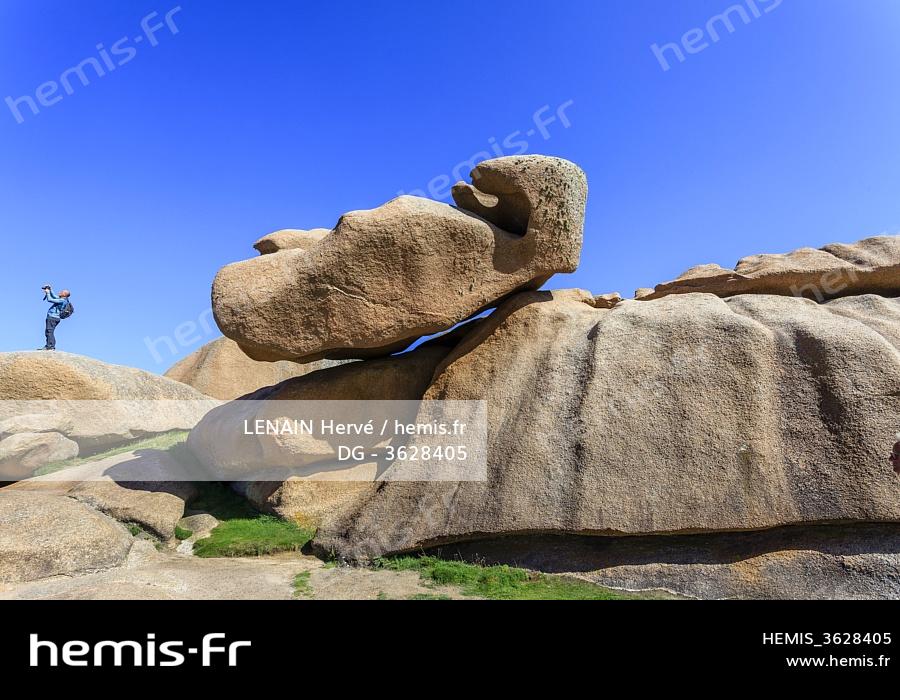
<point x="60" y="308"/>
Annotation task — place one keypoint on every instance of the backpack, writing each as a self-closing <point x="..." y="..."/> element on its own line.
<point x="67" y="311"/>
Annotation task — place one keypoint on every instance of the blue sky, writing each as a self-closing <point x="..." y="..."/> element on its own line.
<point x="135" y="189"/>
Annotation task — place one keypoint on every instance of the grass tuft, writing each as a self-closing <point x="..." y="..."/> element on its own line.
<point x="428" y="596"/>
<point x="301" y="585"/>
<point x="499" y="582"/>
<point x="183" y="533"/>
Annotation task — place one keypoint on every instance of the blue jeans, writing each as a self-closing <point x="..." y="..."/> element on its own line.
<point x="52" y="323"/>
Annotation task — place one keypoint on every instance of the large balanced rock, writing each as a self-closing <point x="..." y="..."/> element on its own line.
<point x="221" y="369"/>
<point x="687" y="414"/>
<point x="410" y="268"/>
<point x="89" y="402"/>
<point x="870" y="266"/>
<point x="44" y="535"/>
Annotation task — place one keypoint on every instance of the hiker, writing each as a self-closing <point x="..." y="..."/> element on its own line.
<point x="895" y="455"/>
<point x="60" y="308"/>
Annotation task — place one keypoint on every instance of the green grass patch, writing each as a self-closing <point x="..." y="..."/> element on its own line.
<point x="428" y="596"/>
<point x="243" y="531"/>
<point x="182" y="533"/>
<point x="500" y="582"/>
<point x="164" y="441"/>
<point x="301" y="584"/>
<point x="250" y="537"/>
<point x="135" y="530"/>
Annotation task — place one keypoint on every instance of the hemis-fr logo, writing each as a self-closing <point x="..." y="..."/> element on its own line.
<point x="212" y="651"/>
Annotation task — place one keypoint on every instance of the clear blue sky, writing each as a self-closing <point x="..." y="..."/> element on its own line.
<point x="135" y="189"/>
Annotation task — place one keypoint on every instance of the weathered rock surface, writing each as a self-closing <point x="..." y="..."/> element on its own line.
<point x="687" y="414"/>
<point x="156" y="507"/>
<point x="201" y="523"/>
<point x="149" y="488"/>
<point x="607" y="301"/>
<point x="290" y="239"/>
<point x="805" y="563"/>
<point x="318" y="495"/>
<point x="151" y="575"/>
<point x="400" y="378"/>
<point x="871" y="266"/>
<point x="411" y="268"/>
<point x="221" y="369"/>
<point x="63" y="376"/>
<point x="44" y="535"/>
<point x="89" y="402"/>
<point x="22" y="453"/>
<point x="35" y="423"/>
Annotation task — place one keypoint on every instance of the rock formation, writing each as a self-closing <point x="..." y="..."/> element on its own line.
<point x="727" y="401"/>
<point x="221" y="370"/>
<point x="46" y="376"/>
<point x="22" y="453"/>
<point x="411" y="268"/>
<point x="149" y="489"/>
<point x="54" y="406"/>
<point x="848" y="562"/>
<point x="725" y="434"/>
<point x="871" y="266"/>
<point x="686" y="414"/>
<point x="318" y="495"/>
<point x="290" y="239"/>
<point x="45" y="535"/>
